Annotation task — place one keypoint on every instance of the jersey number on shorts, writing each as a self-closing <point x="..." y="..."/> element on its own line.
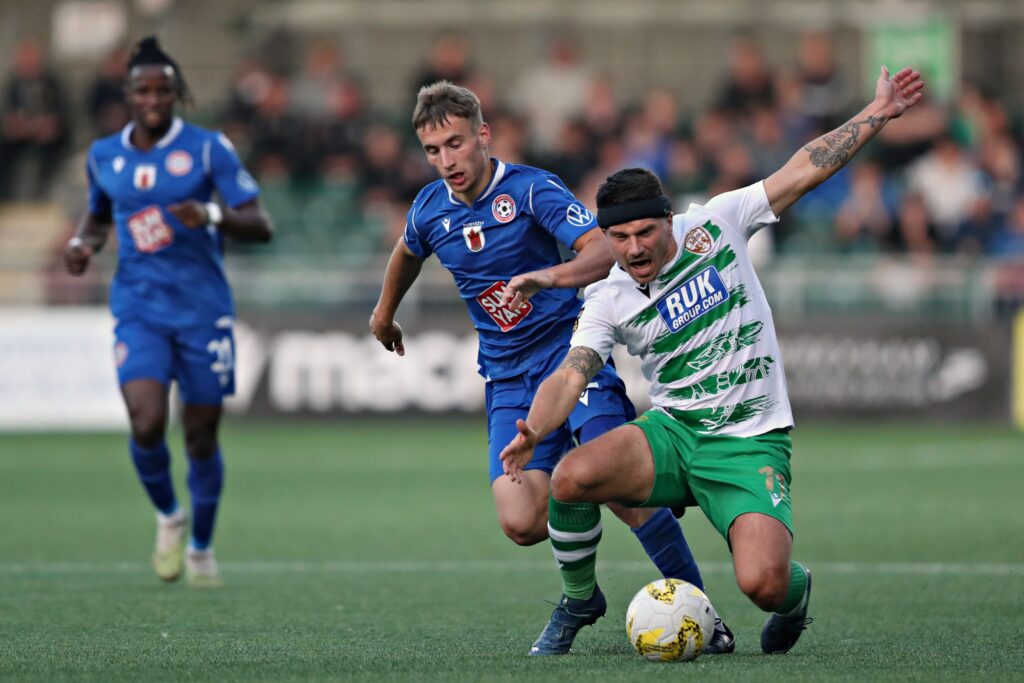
<point x="149" y="231"/>
<point x="224" y="357"/>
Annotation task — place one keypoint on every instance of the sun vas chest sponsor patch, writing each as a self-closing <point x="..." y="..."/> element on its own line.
<point x="692" y="299"/>
<point x="505" y="317"/>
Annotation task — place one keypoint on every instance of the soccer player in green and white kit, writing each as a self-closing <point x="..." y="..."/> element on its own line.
<point x="686" y="300"/>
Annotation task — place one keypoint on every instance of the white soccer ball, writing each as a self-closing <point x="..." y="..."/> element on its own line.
<point x="670" y="621"/>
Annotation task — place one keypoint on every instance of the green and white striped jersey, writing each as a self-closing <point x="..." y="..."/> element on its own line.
<point x="702" y="329"/>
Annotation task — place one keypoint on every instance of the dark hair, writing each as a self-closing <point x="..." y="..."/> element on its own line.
<point x="436" y="102"/>
<point x="628" y="185"/>
<point x="147" y="52"/>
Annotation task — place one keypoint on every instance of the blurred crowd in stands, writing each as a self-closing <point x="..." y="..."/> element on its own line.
<point x="338" y="174"/>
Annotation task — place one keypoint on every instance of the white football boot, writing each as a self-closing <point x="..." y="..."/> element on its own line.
<point x="169" y="552"/>
<point x="201" y="569"/>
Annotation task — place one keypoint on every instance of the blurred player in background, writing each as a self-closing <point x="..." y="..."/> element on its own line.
<point x="686" y="300"/>
<point x="154" y="180"/>
<point x="497" y="228"/>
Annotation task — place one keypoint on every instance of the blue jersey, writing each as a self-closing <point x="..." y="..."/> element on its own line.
<point x="167" y="274"/>
<point x="514" y="227"/>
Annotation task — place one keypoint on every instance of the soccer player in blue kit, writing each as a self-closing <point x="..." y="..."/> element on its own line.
<point x="497" y="227"/>
<point x="154" y="181"/>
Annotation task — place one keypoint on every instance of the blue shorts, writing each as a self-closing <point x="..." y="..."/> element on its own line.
<point x="509" y="400"/>
<point x="200" y="359"/>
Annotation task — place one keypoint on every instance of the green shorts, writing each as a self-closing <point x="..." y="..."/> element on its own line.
<point x="727" y="476"/>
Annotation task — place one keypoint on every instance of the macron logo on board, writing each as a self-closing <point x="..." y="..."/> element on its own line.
<point x="692" y="299"/>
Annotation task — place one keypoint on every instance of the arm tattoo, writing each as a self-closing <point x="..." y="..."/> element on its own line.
<point x="836" y="146"/>
<point x="584" y="361"/>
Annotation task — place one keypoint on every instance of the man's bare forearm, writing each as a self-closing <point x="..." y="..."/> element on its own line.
<point x="591" y="264"/>
<point x="557" y="395"/>
<point x="92" y="231"/>
<point x="402" y="270"/>
<point x="821" y="158"/>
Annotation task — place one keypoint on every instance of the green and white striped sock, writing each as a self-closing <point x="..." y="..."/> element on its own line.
<point x="575" y="531"/>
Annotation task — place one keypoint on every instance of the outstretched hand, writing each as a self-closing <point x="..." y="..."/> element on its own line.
<point x="898" y="93"/>
<point x="520" y="288"/>
<point x="519" y="451"/>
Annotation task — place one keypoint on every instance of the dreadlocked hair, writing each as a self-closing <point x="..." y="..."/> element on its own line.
<point x="148" y="52"/>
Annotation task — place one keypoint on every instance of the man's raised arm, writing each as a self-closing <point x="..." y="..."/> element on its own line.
<point x="819" y="160"/>
<point x="555" y="399"/>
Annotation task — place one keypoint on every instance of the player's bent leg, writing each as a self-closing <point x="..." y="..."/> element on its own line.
<point x="615" y="467"/>
<point x="761" y="557"/>
<point x="761" y="546"/>
<point x="523" y="508"/>
<point x="146" y="400"/>
<point x="205" y="483"/>
<point x="575" y="531"/>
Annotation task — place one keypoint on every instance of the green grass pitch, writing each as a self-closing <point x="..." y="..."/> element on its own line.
<point x="371" y="552"/>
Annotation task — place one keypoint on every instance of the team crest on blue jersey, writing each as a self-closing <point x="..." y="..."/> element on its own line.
<point x="692" y="299"/>
<point x="145" y="176"/>
<point x="178" y="163"/>
<point x="473" y="233"/>
<point x="118" y="164"/>
<point x="504" y="208"/>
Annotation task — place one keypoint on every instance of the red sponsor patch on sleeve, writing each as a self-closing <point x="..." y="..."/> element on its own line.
<point x="505" y="317"/>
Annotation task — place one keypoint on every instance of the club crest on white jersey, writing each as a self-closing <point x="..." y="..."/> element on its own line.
<point x="698" y="241"/>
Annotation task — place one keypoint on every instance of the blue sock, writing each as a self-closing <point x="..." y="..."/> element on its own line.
<point x="662" y="538"/>
<point x="205" y="480"/>
<point x="153" y="465"/>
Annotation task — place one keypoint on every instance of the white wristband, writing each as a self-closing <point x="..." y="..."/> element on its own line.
<point x="214" y="214"/>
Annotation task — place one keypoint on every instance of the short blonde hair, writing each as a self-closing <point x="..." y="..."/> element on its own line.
<point x="436" y="102"/>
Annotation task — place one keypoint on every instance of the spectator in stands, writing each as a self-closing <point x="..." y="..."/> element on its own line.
<point x="866" y="222"/>
<point x="573" y="156"/>
<point x="949" y="183"/>
<point x="601" y="113"/>
<point x="748" y="84"/>
<point x="449" y="60"/>
<point x="551" y="93"/>
<point x="917" y="232"/>
<point x="1008" y="241"/>
<point x="825" y="94"/>
<point x="34" y="127"/>
<point x="106" y="105"/>
<point x="274" y="130"/>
